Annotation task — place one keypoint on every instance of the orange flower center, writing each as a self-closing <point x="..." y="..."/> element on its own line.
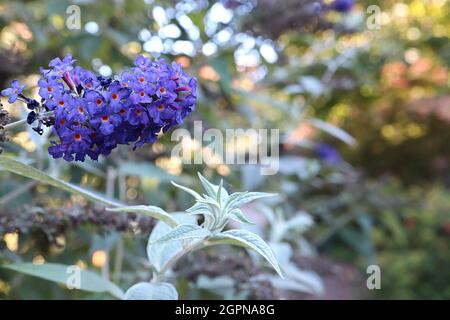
<point x="105" y="118"/>
<point x="77" y="137"/>
<point x="114" y="96"/>
<point x="161" y="107"/>
<point x="98" y="101"/>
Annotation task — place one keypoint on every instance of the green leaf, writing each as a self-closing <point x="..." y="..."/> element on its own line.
<point x="152" y="211"/>
<point x="184" y="232"/>
<point x="152" y="291"/>
<point x="89" y="281"/>
<point x="250" y="240"/>
<point x="25" y="170"/>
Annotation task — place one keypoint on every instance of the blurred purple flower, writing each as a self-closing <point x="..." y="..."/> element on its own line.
<point x="342" y="5"/>
<point x="327" y="154"/>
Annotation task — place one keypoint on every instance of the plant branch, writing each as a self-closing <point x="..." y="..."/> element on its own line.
<point x="120" y="249"/>
<point x="171" y="262"/>
<point x="15" y="124"/>
<point x="23" y="121"/>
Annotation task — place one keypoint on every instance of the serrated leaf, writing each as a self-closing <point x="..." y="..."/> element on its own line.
<point x="250" y="240"/>
<point x="152" y="291"/>
<point x="159" y="253"/>
<point x="25" y="170"/>
<point x="184" y="232"/>
<point x="238" y="199"/>
<point x="152" y="211"/>
<point x="89" y="281"/>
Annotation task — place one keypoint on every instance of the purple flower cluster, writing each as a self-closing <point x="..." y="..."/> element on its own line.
<point x="93" y="114"/>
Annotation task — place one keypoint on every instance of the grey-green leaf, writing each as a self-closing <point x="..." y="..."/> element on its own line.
<point x="238" y="199"/>
<point x="239" y="216"/>
<point x="211" y="189"/>
<point x="214" y="191"/>
<point x="184" y="232"/>
<point x="152" y="211"/>
<point x="188" y="190"/>
<point x="200" y="208"/>
<point x="25" y="170"/>
<point x="64" y="274"/>
<point x="159" y="253"/>
<point x="152" y="291"/>
<point x="250" y="240"/>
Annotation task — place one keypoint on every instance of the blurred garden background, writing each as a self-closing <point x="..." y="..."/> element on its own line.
<point x="359" y="91"/>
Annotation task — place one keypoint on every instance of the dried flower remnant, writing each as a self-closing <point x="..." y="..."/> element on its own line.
<point x="4" y="120"/>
